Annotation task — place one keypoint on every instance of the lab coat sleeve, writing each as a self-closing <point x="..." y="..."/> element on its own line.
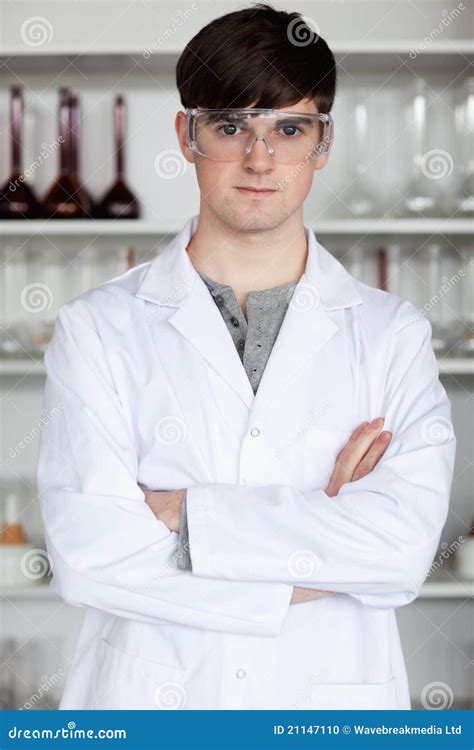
<point x="106" y="547"/>
<point x="377" y="538"/>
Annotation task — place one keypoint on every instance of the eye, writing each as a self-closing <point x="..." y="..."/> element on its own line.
<point x="294" y="130"/>
<point x="228" y="128"/>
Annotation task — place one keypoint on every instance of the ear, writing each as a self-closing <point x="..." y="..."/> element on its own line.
<point x="321" y="161"/>
<point x="180" y="127"/>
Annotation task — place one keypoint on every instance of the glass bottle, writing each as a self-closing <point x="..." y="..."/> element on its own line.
<point x="17" y="199"/>
<point x="81" y="192"/>
<point x="465" y="344"/>
<point x="63" y="199"/>
<point x="420" y="199"/>
<point x="357" y="194"/>
<point x="119" y="202"/>
<point x="464" y="119"/>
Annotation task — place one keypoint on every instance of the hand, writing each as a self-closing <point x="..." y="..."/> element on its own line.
<point x="301" y="594"/>
<point x="166" y="505"/>
<point x="361" y="453"/>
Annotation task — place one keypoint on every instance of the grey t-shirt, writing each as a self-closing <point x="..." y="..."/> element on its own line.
<point x="254" y="338"/>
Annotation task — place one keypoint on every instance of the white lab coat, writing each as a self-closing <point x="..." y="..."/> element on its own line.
<point x="145" y="390"/>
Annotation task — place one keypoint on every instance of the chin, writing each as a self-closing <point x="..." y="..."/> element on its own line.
<point x="259" y="219"/>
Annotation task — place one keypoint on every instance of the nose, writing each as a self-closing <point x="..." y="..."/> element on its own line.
<point x="259" y="157"/>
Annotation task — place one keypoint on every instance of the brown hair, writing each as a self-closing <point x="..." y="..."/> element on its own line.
<point x="257" y="54"/>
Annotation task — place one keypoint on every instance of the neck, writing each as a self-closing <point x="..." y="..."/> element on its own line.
<point x="249" y="260"/>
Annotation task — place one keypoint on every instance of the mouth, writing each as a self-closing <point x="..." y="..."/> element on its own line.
<point x="256" y="192"/>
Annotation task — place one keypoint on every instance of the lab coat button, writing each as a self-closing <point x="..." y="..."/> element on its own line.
<point x="255" y="432"/>
<point x="241" y="673"/>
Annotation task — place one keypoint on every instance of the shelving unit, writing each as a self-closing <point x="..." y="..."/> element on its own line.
<point x="375" y="227"/>
<point x="369" y="39"/>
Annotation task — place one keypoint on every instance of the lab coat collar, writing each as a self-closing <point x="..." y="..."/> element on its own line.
<point x="172" y="281"/>
<point x="170" y="277"/>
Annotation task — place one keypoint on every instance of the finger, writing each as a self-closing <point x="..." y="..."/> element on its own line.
<point x="320" y="594"/>
<point x="349" y="458"/>
<point x="358" y="445"/>
<point x="356" y="450"/>
<point x="358" y="431"/>
<point x="373" y="455"/>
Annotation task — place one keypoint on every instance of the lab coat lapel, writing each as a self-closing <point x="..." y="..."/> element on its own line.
<point x="308" y="325"/>
<point x="172" y="281"/>
<point x="201" y="323"/>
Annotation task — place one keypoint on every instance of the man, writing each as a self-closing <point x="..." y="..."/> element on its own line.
<point x="216" y="487"/>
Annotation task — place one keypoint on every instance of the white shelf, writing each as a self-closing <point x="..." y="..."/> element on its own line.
<point x="446" y="585"/>
<point x="374" y="47"/>
<point x="395" y="226"/>
<point x="24" y="367"/>
<point x="37" y="591"/>
<point x="403" y="47"/>
<point x="447" y="590"/>
<point x="18" y="367"/>
<point x="456" y="366"/>
<point x="439" y="54"/>
<point x="80" y="227"/>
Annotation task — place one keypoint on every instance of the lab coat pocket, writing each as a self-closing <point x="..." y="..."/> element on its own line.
<point x="355" y="695"/>
<point x="124" y="681"/>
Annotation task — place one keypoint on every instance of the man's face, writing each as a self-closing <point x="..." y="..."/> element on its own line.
<point x="222" y="184"/>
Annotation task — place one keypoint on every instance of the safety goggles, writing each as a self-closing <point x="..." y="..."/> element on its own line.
<point x="230" y="134"/>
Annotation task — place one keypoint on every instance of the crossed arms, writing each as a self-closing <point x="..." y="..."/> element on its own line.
<point x="374" y="539"/>
<point x="361" y="454"/>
